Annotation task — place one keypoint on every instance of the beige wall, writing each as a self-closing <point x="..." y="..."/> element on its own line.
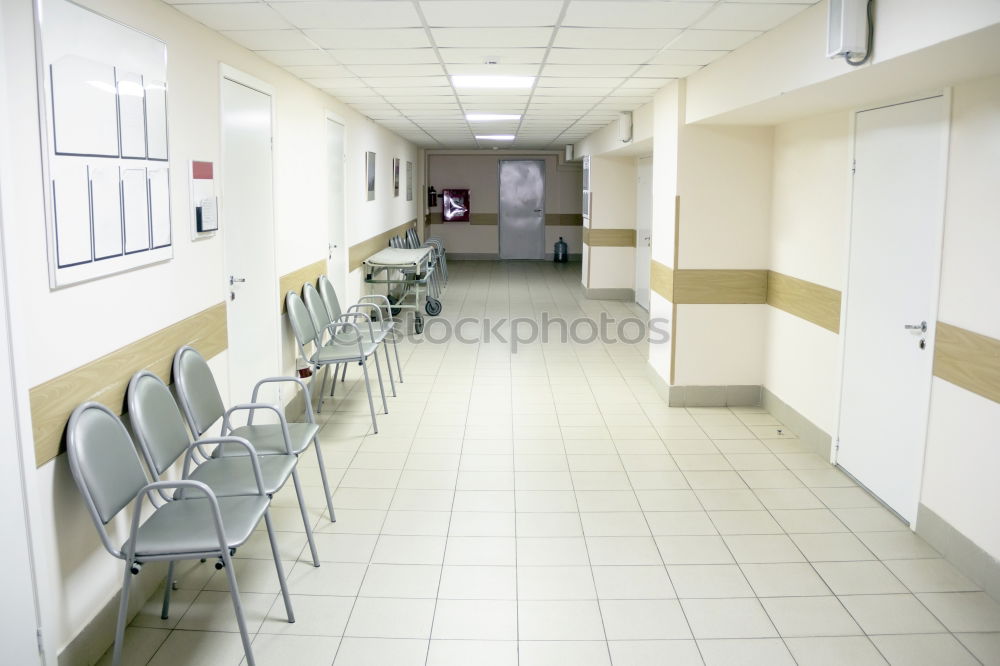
<point x="56" y="331"/>
<point x="479" y="174"/>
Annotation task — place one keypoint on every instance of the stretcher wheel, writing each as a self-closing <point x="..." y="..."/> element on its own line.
<point x="394" y="300"/>
<point x="418" y="325"/>
<point x="432" y="306"/>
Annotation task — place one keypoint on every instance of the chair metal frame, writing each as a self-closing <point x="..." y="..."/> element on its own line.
<point x="127" y="552"/>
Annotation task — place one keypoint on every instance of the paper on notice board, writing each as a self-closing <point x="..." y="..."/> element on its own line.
<point x="72" y="212"/>
<point x="134" y="194"/>
<point x="159" y="206"/>
<point x="132" y="114"/>
<point x="84" y="107"/>
<point x="106" y="210"/>
<point x="156" y="120"/>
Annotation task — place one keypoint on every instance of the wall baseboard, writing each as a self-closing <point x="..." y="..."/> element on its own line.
<point x="473" y="256"/>
<point x="573" y="257"/>
<point x="609" y="294"/>
<point x="978" y="565"/>
<point x="814" y="437"/>
<point x="714" y="396"/>
<point x="97" y="637"/>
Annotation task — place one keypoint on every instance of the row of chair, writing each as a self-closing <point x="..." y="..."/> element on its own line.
<point x="226" y="485"/>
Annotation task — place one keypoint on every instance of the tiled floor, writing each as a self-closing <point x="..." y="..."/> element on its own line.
<point x="548" y="508"/>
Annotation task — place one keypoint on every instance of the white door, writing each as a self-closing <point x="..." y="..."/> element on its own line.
<point x="248" y="228"/>
<point x="896" y="223"/>
<point x="335" y="157"/>
<point x="643" y="229"/>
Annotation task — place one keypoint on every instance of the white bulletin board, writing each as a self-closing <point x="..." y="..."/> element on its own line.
<point x="103" y="95"/>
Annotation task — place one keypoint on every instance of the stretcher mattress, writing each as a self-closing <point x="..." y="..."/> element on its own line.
<point x="400" y="258"/>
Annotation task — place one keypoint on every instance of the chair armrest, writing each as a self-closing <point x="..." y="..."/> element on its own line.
<point x="251" y="451"/>
<point x="372" y="306"/>
<point x="251" y="407"/>
<point x="278" y="380"/>
<point x="159" y="486"/>
<point x="342" y="319"/>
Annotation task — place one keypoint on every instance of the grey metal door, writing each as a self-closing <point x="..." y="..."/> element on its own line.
<point x="522" y="209"/>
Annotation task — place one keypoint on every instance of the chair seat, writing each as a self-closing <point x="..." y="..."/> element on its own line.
<point x="268" y="439"/>
<point x="233" y="475"/>
<point x="187" y="526"/>
<point x="340" y="352"/>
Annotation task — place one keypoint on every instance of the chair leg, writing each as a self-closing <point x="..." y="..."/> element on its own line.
<point x="381" y="386"/>
<point x="305" y="515"/>
<point x="278" y="567"/>
<point x="388" y="364"/>
<point x="116" y="656"/>
<point x="368" y="387"/>
<point x="343" y="375"/>
<point x="165" y="611"/>
<point x="326" y="483"/>
<point x="395" y="349"/>
<point x="322" y="393"/>
<point x="234" y="592"/>
<point x="333" y="386"/>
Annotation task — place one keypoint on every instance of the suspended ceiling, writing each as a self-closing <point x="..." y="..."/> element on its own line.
<point x="392" y="60"/>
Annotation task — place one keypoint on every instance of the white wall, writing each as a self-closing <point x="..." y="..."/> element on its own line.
<point x="963" y="445"/>
<point x="56" y="331"/>
<point x="808" y="236"/>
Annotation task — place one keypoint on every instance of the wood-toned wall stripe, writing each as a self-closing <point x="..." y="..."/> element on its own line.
<point x="564" y="219"/>
<point x="661" y="280"/>
<point x="609" y="237"/>
<point x="484" y="219"/>
<point x="969" y="360"/>
<point x="723" y="286"/>
<point x="808" y="300"/>
<point x="366" y="248"/>
<point x="106" y="379"/>
<point x="293" y="281"/>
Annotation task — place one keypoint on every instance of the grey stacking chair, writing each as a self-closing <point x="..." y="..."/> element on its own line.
<point x="202" y="406"/>
<point x="195" y="524"/>
<point x="163" y="439"/>
<point x="382" y="322"/>
<point x="350" y="345"/>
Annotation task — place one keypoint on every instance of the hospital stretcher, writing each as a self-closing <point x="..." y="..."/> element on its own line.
<point x="408" y="278"/>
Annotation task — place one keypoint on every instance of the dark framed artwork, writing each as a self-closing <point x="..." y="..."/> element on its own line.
<point x="370" y="174"/>
<point x="395" y="176"/>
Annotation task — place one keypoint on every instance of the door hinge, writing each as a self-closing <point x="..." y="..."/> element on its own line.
<point x="836" y="445"/>
<point x="854" y="166"/>
<point x="41" y="643"/>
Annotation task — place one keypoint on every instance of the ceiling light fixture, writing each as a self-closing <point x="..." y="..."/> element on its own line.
<point x="483" y="117"/>
<point x="495" y="137"/>
<point x="491" y="81"/>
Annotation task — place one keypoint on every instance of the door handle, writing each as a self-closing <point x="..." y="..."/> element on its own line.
<point x="538" y="210"/>
<point x="233" y="280"/>
<point x="922" y="327"/>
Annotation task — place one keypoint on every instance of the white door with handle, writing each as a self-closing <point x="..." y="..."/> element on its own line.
<point x="643" y="229"/>
<point x="248" y="229"/>
<point x="897" y="216"/>
<point x="337" y="248"/>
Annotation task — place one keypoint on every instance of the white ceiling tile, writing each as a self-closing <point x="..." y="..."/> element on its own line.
<point x="494" y="100"/>
<point x="745" y="16"/>
<point x="489" y="37"/>
<point x="269" y="40"/>
<point x="794" y="2"/>
<point x="494" y="70"/>
<point x="491" y="13"/>
<point x="385" y="56"/>
<point x="667" y="71"/>
<point x="296" y="58"/>
<point x="614" y="38"/>
<point x="578" y="94"/>
<point x="379" y="83"/>
<point x="588" y="70"/>
<point x="594" y="56"/>
<point x="713" y="40"/>
<point x="503" y="55"/>
<point x="397" y="70"/>
<point x="429" y="101"/>
<point x="408" y="93"/>
<point x="387" y="38"/>
<point x="652" y="84"/>
<point x="220" y="16"/>
<point x="349" y="14"/>
<point x="690" y="57"/>
<point x="317" y="71"/>
<point x="633" y="14"/>
<point x="339" y="83"/>
<point x="578" y="82"/>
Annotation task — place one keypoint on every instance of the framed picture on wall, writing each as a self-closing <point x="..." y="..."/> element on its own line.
<point x="409" y="181"/>
<point x="395" y="176"/>
<point x="370" y="174"/>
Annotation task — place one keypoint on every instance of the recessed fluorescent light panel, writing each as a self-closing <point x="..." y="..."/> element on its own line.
<point x="484" y="117"/>
<point x="491" y="81"/>
<point x="495" y="137"/>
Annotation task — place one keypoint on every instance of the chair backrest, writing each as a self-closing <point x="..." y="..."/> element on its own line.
<point x="197" y="390"/>
<point x="329" y="295"/>
<point x="302" y="322"/>
<point x="316" y="307"/>
<point x="103" y="461"/>
<point x="156" y="422"/>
